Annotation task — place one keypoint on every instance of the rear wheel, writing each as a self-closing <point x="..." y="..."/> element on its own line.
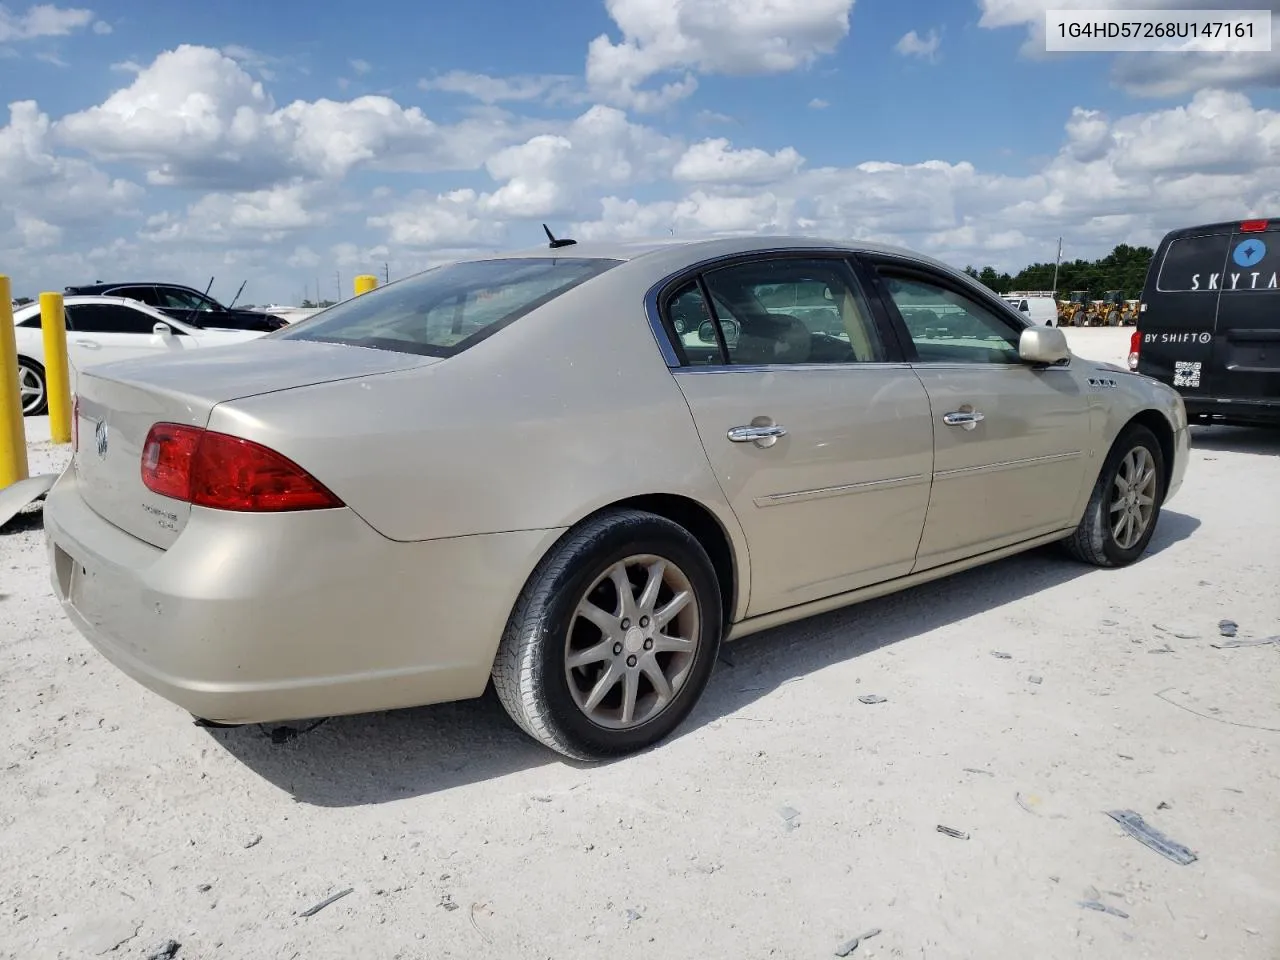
<point x="1122" y="512"/>
<point x="33" y="391"/>
<point x="613" y="639"/>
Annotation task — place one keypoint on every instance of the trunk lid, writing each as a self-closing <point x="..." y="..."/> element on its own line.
<point x="118" y="403"/>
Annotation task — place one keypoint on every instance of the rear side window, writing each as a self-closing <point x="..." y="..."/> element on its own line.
<point x="444" y="311"/>
<point x="1194" y="264"/>
<point x="108" y="318"/>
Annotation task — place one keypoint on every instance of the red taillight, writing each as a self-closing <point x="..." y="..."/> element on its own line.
<point x="1253" y="226"/>
<point x="223" y="472"/>
<point x="1135" y="347"/>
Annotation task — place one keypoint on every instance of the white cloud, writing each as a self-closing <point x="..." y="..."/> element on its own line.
<point x="101" y="28"/>
<point x="715" y="161"/>
<point x="817" y="103"/>
<point x="731" y="37"/>
<point x="491" y="90"/>
<point x="361" y="67"/>
<point x="42" y="20"/>
<point x="913" y="45"/>
<point x="194" y="117"/>
<point x="446" y="221"/>
<point x="552" y="174"/>
<point x="259" y="216"/>
<point x="39" y="184"/>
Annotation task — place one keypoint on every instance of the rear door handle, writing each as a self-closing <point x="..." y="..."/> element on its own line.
<point x="967" y="419"/>
<point x="89" y="344"/>
<point x="765" y="436"/>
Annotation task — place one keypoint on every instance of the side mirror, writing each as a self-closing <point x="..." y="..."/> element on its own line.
<point x="162" y="330"/>
<point x="707" y="331"/>
<point x="1045" y="346"/>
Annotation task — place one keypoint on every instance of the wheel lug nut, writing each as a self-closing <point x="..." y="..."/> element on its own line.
<point x="617" y="649"/>
<point x="648" y="644"/>
<point x="644" y="621"/>
<point x="631" y="661"/>
<point x="626" y="624"/>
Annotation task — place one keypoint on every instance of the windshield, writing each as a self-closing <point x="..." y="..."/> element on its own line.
<point x="445" y="310"/>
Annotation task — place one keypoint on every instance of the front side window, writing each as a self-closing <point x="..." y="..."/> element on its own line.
<point x="143" y="294"/>
<point x="793" y="311"/>
<point x="445" y="310"/>
<point x="175" y="298"/>
<point x="947" y="326"/>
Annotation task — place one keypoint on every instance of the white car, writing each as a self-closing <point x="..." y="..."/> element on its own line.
<point x="100" y="330"/>
<point x="1039" y="309"/>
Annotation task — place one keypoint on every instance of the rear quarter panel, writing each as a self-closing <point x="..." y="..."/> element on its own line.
<point x="569" y="409"/>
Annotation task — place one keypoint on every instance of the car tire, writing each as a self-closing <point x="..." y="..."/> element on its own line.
<point x="31" y="376"/>
<point x="1105" y="543"/>
<point x="550" y="698"/>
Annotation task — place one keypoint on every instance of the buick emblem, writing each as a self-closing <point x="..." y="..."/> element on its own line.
<point x="100" y="437"/>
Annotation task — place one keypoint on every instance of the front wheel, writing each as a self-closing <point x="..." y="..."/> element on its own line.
<point x="33" y="391"/>
<point x="1122" y="512"/>
<point x="613" y="639"/>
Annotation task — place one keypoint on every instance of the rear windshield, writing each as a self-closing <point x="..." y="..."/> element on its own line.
<point x="445" y="310"/>
<point x="1194" y="264"/>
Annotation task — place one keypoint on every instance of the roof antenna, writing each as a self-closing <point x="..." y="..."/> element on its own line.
<point x="557" y="244"/>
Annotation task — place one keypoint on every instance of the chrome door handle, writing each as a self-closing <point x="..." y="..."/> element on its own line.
<point x="969" y="419"/>
<point x="753" y="434"/>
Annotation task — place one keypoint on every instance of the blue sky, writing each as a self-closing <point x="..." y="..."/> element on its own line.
<point x="184" y="141"/>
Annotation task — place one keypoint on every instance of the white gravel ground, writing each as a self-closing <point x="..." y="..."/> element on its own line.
<point x="123" y="826"/>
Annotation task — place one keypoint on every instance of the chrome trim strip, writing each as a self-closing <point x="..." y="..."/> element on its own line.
<point x="788" y="368"/>
<point x="1005" y="465"/>
<point x="799" y="496"/>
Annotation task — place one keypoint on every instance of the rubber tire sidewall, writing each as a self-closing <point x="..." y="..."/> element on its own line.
<point x="1094" y="540"/>
<point x="38" y="369"/>
<point x="541" y="634"/>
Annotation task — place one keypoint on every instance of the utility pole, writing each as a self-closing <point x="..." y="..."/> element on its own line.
<point x="1056" y="266"/>
<point x="337" y="277"/>
<point x="386" y="273"/>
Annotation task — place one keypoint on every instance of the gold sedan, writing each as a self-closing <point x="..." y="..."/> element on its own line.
<point x="577" y="471"/>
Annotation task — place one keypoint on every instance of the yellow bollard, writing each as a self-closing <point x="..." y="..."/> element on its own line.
<point x="365" y="282"/>
<point x="57" y="382"/>
<point x="13" y="435"/>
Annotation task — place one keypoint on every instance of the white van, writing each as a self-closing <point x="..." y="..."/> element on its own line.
<point x="1041" y="308"/>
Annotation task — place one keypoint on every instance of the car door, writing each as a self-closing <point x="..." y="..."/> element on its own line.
<point x="1246" y="343"/>
<point x="1011" y="440"/>
<point x="821" y="442"/>
<point x="117" y="331"/>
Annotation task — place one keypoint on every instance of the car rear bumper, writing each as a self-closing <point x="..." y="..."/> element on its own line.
<point x="1233" y="410"/>
<point x="258" y="618"/>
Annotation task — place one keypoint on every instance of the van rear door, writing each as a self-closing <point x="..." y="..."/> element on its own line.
<point x="1246" y="352"/>
<point x="1178" y="325"/>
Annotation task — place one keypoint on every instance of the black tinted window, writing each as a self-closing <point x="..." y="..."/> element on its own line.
<point x="143" y="293"/>
<point x="1194" y="264"/>
<point x="1254" y="263"/>
<point x="175" y="298"/>
<point x="446" y="310"/>
<point x="109" y="318"/>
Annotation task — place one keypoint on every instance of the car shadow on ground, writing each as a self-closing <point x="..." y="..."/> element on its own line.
<point x="381" y="757"/>
<point x="1262" y="440"/>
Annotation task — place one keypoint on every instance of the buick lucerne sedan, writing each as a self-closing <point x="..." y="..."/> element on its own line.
<point x="522" y="468"/>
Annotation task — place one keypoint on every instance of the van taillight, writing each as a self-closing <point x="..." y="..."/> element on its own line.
<point x="1135" y="346"/>
<point x="1253" y="226"/>
<point x="222" y="472"/>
